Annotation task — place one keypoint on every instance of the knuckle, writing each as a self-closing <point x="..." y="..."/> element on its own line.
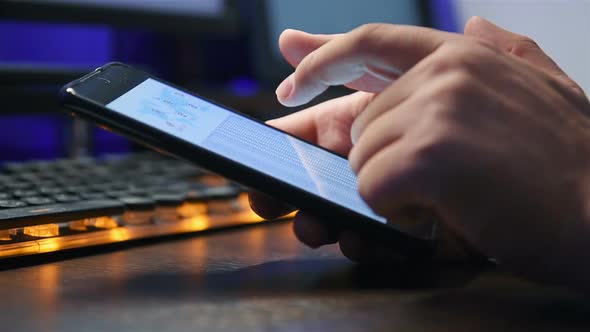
<point x="367" y="190"/>
<point x="435" y="150"/>
<point x="355" y="159"/>
<point x="438" y="114"/>
<point x="310" y="71"/>
<point x="453" y="57"/>
<point x="456" y="89"/>
<point x="426" y="152"/>
<point x="370" y="28"/>
<point x="444" y="64"/>
<point x="458" y="81"/>
<point x="307" y="64"/>
<point x="522" y="45"/>
<point x="439" y="133"/>
<point x="366" y="36"/>
<point x="373" y="186"/>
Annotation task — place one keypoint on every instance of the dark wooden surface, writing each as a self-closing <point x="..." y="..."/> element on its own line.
<point x="261" y="279"/>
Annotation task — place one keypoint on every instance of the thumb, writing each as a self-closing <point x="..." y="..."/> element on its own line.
<point x="519" y="46"/>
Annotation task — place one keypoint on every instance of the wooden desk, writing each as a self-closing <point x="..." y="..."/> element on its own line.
<point x="261" y="279"/>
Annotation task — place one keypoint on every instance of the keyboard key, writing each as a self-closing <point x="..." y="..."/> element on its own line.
<point x="48" y="175"/>
<point x="51" y="190"/>
<point x="84" y="162"/>
<point x="138" y="203"/>
<point x="167" y="207"/>
<point x="137" y="192"/>
<point x="15" y="167"/>
<point x="28" y="177"/>
<point x="61" y="163"/>
<point x="57" y="213"/>
<point x="119" y="186"/>
<point x="93" y="195"/>
<point x="64" y="198"/>
<point x="39" y="165"/>
<point x="149" y="181"/>
<point x="77" y="189"/>
<point x="38" y="200"/>
<point x="194" y="196"/>
<point x="117" y="194"/>
<point x="168" y="199"/>
<point x="25" y="193"/>
<point x="221" y="193"/>
<point x="17" y="185"/>
<point x="147" y="187"/>
<point x="177" y="186"/>
<point x="6" y="178"/>
<point x="100" y="187"/>
<point x="68" y="180"/>
<point x="9" y="203"/>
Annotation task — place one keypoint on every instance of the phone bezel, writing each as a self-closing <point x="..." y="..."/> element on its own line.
<point x="89" y="108"/>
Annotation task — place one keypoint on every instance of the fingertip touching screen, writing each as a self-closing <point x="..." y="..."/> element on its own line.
<point x="244" y="141"/>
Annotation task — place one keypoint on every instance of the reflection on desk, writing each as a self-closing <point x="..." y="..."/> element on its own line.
<point x="262" y="279"/>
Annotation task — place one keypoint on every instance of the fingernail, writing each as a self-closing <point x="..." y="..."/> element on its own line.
<point x="285" y="88"/>
<point x="486" y="22"/>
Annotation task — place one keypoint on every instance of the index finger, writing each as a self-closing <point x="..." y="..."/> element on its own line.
<point x="326" y="124"/>
<point x="381" y="50"/>
<point x="295" y="45"/>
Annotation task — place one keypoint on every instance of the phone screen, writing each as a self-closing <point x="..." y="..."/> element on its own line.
<point x="244" y="141"/>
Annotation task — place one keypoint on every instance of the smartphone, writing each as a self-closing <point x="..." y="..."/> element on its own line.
<point x="180" y="123"/>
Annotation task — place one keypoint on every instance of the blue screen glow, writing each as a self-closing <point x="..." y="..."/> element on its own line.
<point x="245" y="141"/>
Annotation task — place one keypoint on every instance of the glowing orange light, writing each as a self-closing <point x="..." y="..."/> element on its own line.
<point x="213" y="180"/>
<point x="222" y="207"/>
<point x="166" y="214"/>
<point x="19" y="249"/>
<point x="119" y="234"/>
<point x="199" y="223"/>
<point x="244" y="201"/>
<point x="133" y="226"/>
<point x="248" y="215"/>
<point x="5" y="235"/>
<point x="50" y="245"/>
<point x="137" y="217"/>
<point x="188" y="209"/>
<point x="78" y="225"/>
<point x="47" y="230"/>
<point x="102" y="222"/>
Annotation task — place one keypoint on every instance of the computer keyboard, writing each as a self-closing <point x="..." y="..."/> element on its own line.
<point x="63" y="204"/>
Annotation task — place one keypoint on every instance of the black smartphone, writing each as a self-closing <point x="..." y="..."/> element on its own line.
<point x="180" y="123"/>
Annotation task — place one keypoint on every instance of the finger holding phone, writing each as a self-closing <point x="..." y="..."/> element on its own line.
<point x="482" y="128"/>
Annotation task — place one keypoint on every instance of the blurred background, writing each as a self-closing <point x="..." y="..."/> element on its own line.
<point x="225" y="50"/>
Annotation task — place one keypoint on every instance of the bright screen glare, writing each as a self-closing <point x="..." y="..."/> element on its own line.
<point x="244" y="141"/>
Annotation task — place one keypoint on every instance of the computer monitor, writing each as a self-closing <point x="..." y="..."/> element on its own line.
<point x="326" y="17"/>
<point x="180" y="16"/>
<point x="54" y="41"/>
<point x="46" y="43"/>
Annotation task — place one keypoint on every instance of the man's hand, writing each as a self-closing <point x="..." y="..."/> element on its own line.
<point x="484" y="129"/>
